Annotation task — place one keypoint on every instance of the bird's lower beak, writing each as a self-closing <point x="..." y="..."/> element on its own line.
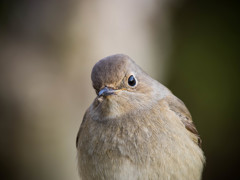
<point x="106" y="91"/>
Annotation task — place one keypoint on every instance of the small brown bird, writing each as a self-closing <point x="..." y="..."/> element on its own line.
<point x="136" y="128"/>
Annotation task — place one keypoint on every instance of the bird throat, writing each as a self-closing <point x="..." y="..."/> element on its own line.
<point x="109" y="108"/>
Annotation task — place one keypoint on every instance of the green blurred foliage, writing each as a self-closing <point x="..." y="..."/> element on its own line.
<point x="205" y="75"/>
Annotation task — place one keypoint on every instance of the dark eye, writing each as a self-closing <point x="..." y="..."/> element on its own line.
<point x="131" y="81"/>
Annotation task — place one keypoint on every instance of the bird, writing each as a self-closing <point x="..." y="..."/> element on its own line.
<point x="136" y="128"/>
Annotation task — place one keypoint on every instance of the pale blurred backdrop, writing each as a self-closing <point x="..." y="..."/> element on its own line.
<point x="47" y="51"/>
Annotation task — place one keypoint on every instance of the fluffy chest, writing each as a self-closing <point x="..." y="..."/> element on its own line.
<point x="146" y="147"/>
<point x="114" y="151"/>
<point x="114" y="139"/>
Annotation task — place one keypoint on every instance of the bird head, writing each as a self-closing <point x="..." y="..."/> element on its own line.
<point x="122" y="86"/>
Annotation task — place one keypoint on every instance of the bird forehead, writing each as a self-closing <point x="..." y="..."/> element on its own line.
<point x="111" y="69"/>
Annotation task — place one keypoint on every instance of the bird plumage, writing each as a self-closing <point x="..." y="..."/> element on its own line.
<point x="140" y="132"/>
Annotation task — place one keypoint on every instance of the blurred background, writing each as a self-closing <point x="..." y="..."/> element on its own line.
<point x="47" y="51"/>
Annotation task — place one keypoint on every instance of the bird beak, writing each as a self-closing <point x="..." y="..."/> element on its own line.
<point x="106" y="91"/>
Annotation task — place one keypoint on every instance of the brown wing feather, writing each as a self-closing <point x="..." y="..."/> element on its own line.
<point x="179" y="108"/>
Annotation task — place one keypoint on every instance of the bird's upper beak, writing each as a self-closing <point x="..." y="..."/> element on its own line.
<point x="106" y="91"/>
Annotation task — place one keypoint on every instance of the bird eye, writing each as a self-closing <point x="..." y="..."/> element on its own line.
<point x="131" y="81"/>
